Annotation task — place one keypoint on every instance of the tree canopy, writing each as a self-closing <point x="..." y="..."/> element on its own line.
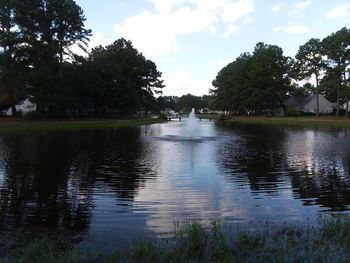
<point x="37" y="62"/>
<point x="337" y="50"/>
<point x="310" y="63"/>
<point x="253" y="82"/>
<point x="262" y="81"/>
<point x="115" y="79"/>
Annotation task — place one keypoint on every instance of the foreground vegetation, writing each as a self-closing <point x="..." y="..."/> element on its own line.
<point x="329" y="242"/>
<point x="14" y="125"/>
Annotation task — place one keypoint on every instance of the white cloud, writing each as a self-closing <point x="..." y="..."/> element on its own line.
<point x="297" y="29"/>
<point x="96" y="40"/>
<point x="230" y="29"/>
<point x="339" y="11"/>
<point x="180" y="83"/>
<point x="298" y="7"/>
<point x="167" y="6"/>
<point x="237" y="10"/>
<point x="213" y="30"/>
<point x="302" y="5"/>
<point x="247" y="20"/>
<point x="276" y="8"/>
<point x="75" y="49"/>
<point x="155" y="33"/>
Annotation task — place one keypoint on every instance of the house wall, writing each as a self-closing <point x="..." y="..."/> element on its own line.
<point x="24" y="107"/>
<point x="324" y="106"/>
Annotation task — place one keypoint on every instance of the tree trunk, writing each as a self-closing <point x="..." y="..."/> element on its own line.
<point x="61" y="65"/>
<point x="338" y="97"/>
<point x="317" y="99"/>
<point x="13" y="109"/>
<point x="347" y="107"/>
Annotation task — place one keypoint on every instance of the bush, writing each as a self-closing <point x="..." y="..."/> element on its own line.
<point x="293" y="113"/>
<point x="163" y="116"/>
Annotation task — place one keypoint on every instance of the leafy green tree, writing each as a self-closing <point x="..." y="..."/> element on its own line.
<point x="328" y="84"/>
<point x="119" y="79"/>
<point x="171" y="102"/>
<point x="11" y="68"/>
<point x="229" y="90"/>
<point x="253" y="83"/>
<point x="151" y="84"/>
<point x="337" y="50"/>
<point x="268" y="79"/>
<point x="310" y="63"/>
<point x="48" y="28"/>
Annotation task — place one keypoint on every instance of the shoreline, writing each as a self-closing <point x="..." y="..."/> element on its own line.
<point x="302" y="121"/>
<point x="18" y="125"/>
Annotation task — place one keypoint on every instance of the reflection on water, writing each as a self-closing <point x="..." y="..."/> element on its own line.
<point x="125" y="182"/>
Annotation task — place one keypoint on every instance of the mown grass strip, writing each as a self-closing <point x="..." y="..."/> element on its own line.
<point x="25" y="126"/>
<point x="309" y="121"/>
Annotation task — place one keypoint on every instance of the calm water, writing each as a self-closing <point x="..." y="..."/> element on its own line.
<point x="120" y="183"/>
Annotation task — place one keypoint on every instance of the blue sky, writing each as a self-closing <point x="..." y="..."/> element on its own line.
<point x="191" y="40"/>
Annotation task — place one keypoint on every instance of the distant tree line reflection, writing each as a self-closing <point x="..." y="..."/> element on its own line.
<point x="49" y="179"/>
<point x="271" y="157"/>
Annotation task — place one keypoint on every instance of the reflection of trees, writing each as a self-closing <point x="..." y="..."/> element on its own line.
<point x="119" y="164"/>
<point x="255" y="158"/>
<point x="318" y="170"/>
<point x="325" y="183"/>
<point x="49" y="179"/>
<point x="37" y="176"/>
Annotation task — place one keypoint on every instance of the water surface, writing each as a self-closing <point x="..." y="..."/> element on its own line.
<point x="122" y="183"/>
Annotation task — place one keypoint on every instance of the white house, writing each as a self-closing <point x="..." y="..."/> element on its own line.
<point x="24" y="106"/>
<point x="309" y="105"/>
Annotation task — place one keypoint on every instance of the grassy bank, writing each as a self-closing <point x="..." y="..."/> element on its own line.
<point x="310" y="121"/>
<point x="9" y="125"/>
<point x="197" y="243"/>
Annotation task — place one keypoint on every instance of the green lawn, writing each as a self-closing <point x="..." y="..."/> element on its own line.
<point x="12" y="125"/>
<point x="323" y="121"/>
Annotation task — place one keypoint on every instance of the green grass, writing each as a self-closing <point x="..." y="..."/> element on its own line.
<point x="194" y="242"/>
<point x="20" y="126"/>
<point x="331" y="122"/>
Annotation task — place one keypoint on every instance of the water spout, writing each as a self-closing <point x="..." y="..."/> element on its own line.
<point x="191" y="123"/>
<point x="192" y="114"/>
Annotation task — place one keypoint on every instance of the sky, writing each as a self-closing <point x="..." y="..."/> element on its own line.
<point x="192" y="40"/>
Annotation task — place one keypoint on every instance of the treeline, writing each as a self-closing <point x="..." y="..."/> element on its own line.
<point x="264" y="80"/>
<point x="184" y="103"/>
<point x="37" y="62"/>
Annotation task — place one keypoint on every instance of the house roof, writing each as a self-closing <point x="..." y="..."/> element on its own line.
<point x="302" y="101"/>
<point x="321" y="98"/>
<point x="310" y="98"/>
<point x="295" y="101"/>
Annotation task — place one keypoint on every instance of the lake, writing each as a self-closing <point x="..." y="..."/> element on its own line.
<point x="119" y="184"/>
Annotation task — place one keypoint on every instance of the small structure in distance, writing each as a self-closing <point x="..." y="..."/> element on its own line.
<point x="171" y="114"/>
<point x="23" y="107"/>
<point x="309" y="104"/>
